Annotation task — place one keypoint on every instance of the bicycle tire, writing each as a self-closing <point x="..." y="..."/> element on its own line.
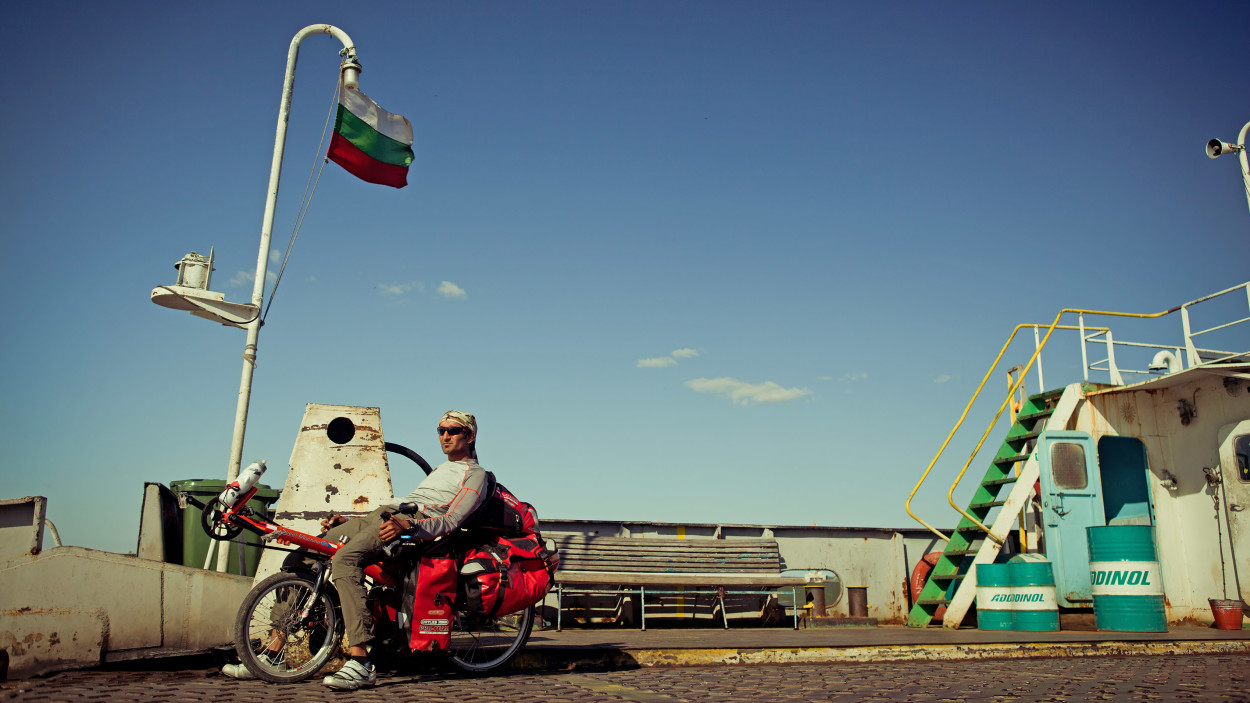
<point x="271" y="614"/>
<point x="481" y="644"/>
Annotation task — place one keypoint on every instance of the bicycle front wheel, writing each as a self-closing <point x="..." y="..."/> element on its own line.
<point x="481" y="644"/>
<point x="284" y="632"/>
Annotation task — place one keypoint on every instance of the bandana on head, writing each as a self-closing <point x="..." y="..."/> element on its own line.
<point x="460" y="418"/>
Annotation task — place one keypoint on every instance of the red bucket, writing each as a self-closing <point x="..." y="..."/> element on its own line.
<point x="1227" y="613"/>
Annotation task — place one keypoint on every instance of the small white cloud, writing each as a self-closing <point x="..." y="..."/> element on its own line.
<point x="742" y="393"/>
<point x="395" y="288"/>
<point x="943" y="378"/>
<point x="824" y="378"/>
<point x="853" y="377"/>
<point x="275" y="255"/>
<point x="447" y="289"/>
<point x="657" y="362"/>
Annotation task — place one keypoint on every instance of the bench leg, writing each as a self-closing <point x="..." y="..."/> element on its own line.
<point x="794" y="592"/>
<point x="642" y="605"/>
<point x="559" y="606"/>
<point x="724" y="612"/>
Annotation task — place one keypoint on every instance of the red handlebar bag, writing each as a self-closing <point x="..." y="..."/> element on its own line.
<point x="430" y="596"/>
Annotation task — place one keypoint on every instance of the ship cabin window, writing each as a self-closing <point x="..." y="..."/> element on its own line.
<point x="1241" y="447"/>
<point x="1067" y="466"/>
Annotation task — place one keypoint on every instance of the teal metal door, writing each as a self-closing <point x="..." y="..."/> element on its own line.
<point x="1125" y="481"/>
<point x="1071" y="502"/>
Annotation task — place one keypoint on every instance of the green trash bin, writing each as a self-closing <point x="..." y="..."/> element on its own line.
<point x="195" y="542"/>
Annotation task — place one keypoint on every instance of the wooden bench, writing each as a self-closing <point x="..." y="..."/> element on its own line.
<point x="648" y="565"/>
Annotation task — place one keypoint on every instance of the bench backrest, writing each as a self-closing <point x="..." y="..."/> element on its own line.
<point x="675" y="556"/>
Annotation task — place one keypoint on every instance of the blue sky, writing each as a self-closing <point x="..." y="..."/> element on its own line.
<point x="734" y="261"/>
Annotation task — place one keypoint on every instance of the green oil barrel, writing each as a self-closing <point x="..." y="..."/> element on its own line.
<point x="1033" y="593"/>
<point x="994" y="606"/>
<point x="1126" y="578"/>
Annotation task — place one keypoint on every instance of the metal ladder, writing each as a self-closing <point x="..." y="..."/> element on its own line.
<point x="951" y="585"/>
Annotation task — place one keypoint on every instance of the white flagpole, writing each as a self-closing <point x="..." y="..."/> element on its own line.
<point x="351" y="72"/>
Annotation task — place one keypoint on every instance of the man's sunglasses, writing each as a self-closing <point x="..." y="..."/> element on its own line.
<point x="453" y="431"/>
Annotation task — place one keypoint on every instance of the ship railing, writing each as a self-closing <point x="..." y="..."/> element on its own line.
<point x="1108" y="364"/>
<point x="1185" y="355"/>
<point x="1194" y="355"/>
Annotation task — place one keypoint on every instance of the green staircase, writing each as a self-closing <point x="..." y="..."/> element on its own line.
<point x="967" y="538"/>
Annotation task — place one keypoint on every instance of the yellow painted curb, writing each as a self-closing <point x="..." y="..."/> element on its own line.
<point x="696" y="657"/>
<point x="580" y="658"/>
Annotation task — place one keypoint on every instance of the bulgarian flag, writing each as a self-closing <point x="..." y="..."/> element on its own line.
<point x="371" y="143"/>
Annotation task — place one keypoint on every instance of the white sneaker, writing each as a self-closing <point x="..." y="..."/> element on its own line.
<point x="242" y="673"/>
<point x="238" y="671"/>
<point x="352" y="676"/>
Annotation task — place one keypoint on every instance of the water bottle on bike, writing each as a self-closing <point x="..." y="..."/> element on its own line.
<point x="247" y="480"/>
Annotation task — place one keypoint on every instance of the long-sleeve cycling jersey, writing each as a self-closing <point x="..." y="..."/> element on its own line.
<point x="446" y="498"/>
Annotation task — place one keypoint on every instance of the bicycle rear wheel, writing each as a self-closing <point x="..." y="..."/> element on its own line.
<point x="283" y="633"/>
<point x="481" y="644"/>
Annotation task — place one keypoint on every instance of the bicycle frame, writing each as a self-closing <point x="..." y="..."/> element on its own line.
<point x="240" y="516"/>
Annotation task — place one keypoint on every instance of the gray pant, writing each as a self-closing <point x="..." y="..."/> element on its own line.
<point x="363" y="548"/>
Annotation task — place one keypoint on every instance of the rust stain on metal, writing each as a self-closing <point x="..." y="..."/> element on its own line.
<point x="19" y="647"/>
<point x="362" y="500"/>
<point x="317" y="514"/>
<point x="346" y="470"/>
<point x="331" y="490"/>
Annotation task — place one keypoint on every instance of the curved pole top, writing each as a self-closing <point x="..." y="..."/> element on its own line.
<point x="330" y="29"/>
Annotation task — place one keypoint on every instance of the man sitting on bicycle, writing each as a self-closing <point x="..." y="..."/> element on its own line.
<point x="444" y="500"/>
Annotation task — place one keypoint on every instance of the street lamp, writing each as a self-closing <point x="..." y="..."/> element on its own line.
<point x="191" y="292"/>
<point x="1217" y="148"/>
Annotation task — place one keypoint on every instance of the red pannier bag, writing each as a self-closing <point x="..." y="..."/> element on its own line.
<point x="506" y="575"/>
<point x="429" y="599"/>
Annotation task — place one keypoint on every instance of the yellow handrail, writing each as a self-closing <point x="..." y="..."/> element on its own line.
<point x="950" y="495"/>
<point x="949" y="437"/>
<point x="1050" y="329"/>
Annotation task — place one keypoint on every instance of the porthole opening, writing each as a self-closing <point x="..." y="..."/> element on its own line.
<point x="340" y="430"/>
